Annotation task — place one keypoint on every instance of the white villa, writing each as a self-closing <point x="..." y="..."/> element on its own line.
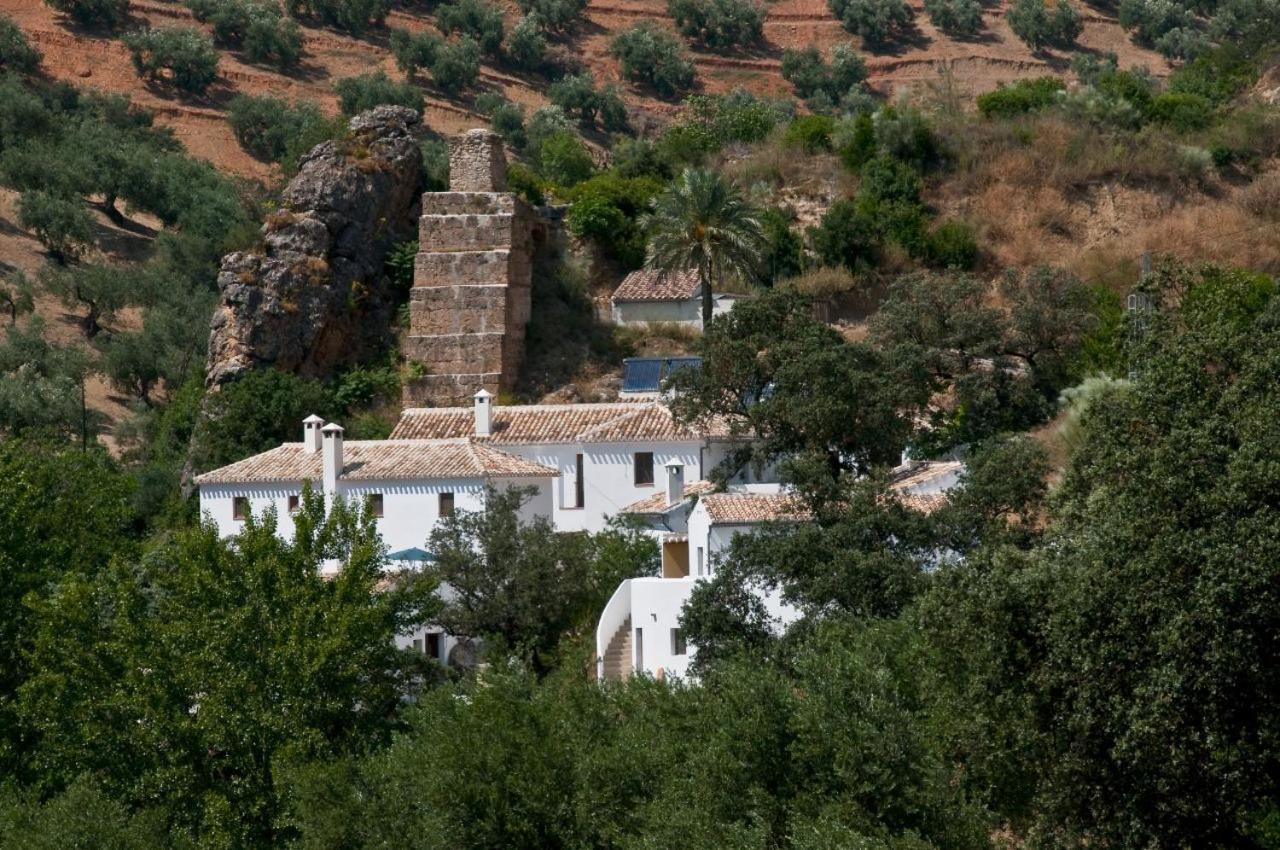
<point x="586" y="462"/>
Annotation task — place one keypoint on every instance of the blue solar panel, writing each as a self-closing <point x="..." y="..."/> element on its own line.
<point x="646" y="374"/>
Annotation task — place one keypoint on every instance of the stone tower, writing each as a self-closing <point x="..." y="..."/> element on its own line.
<point x="471" y="287"/>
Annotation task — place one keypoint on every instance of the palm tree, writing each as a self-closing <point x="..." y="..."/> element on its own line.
<point x="703" y="222"/>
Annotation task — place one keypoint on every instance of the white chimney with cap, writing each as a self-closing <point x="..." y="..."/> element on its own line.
<point x="311" y="434"/>
<point x="675" y="482"/>
<point x="484" y="413"/>
<point x="332" y="459"/>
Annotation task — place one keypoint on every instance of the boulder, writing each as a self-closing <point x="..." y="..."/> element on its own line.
<point x="312" y="297"/>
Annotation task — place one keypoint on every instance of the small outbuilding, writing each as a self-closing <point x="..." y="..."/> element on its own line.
<point x="647" y="296"/>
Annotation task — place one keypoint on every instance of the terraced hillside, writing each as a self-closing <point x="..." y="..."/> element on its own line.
<point x="926" y="58"/>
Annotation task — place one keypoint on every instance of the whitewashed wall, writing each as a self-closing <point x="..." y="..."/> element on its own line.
<point x="656" y="604"/>
<point x="687" y="312"/>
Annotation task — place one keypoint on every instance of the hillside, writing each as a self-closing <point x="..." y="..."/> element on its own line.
<point x="926" y="59"/>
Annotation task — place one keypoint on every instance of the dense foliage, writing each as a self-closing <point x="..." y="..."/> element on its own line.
<point x="183" y="56"/>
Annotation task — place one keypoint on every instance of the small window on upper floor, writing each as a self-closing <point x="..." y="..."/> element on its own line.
<point x="295" y="504"/>
<point x="240" y="508"/>
<point x="446" y="504"/>
<point x="644" y="468"/>
<point x="374" y="501"/>
<point x="678" y="645"/>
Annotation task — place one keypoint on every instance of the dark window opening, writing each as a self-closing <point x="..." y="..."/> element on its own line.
<point x="240" y="508"/>
<point x="374" y="502"/>
<point x="678" y="646"/>
<point x="579" y="484"/>
<point x="294" y="504"/>
<point x="433" y="645"/>
<point x="446" y="504"/>
<point x="644" y="468"/>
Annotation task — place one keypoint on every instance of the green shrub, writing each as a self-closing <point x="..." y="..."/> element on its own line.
<point x="952" y="245"/>
<point x="1182" y="111"/>
<point x="845" y="237"/>
<point x="1021" y="97"/>
<point x="414" y="50"/>
<point x="365" y="91"/>
<point x="826" y="87"/>
<point x="811" y="133"/>
<point x="955" y="17"/>
<point x="507" y="119"/>
<point x="1219" y="76"/>
<point x="564" y="159"/>
<point x="1039" y="26"/>
<point x="651" y="54"/>
<point x="183" y="56"/>
<point x="353" y="16"/>
<point x="886" y="179"/>
<point x="783" y="254"/>
<point x="522" y="180"/>
<point x="276" y="130"/>
<point x="16" y="53"/>
<point x="94" y="13"/>
<point x="613" y="112"/>
<point x="606" y="209"/>
<point x="526" y="46"/>
<point x="256" y="26"/>
<point x="554" y="15"/>
<point x="435" y="164"/>
<point x="480" y="20"/>
<point x="719" y="24"/>
<point x="854" y="139"/>
<point x="877" y="21"/>
<point x="457" y="65"/>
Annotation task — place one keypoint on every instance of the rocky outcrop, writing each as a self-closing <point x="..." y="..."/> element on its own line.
<point x="312" y="297"/>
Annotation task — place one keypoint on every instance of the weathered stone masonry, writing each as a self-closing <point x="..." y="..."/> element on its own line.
<point x="471" y="295"/>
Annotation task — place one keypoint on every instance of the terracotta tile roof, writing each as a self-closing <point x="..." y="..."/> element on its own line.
<point x="925" y="503"/>
<point x="652" y="285"/>
<point x="657" y="503"/>
<point x="748" y="508"/>
<point x="381" y="460"/>
<point x="553" y="423"/>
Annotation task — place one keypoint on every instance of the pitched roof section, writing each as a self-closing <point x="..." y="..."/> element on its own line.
<point x="925" y="475"/>
<point x="749" y="508"/>
<point x="381" y="460"/>
<point x="652" y="285"/>
<point x="657" y="503"/>
<point x="534" y="424"/>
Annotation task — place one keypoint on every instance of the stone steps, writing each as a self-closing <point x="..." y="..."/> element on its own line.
<point x="618" y="658"/>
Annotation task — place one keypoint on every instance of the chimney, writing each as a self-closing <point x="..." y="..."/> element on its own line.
<point x="332" y="458"/>
<point x="311" y="434"/>
<point x="484" y="413"/>
<point x="675" y="482"/>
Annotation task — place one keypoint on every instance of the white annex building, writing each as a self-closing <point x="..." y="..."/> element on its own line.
<point x="639" y="628"/>
<point x="646" y="296"/>
<point x="586" y="462"/>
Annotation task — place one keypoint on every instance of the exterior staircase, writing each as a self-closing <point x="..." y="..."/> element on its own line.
<point x="618" y="658"/>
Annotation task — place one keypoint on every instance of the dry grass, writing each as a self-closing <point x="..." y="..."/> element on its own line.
<point x="1047" y="191"/>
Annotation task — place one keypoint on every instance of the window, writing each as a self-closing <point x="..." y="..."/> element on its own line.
<point x="579" y="484"/>
<point x="240" y="508"/>
<point x="294" y="502"/>
<point x="417" y="644"/>
<point x="699" y="560"/>
<point x="433" y="645"/>
<point x="677" y="642"/>
<point x="374" y="502"/>
<point x="446" y="504"/>
<point x="644" y="468"/>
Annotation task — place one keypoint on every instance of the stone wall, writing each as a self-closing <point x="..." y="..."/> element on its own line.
<point x="471" y="296"/>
